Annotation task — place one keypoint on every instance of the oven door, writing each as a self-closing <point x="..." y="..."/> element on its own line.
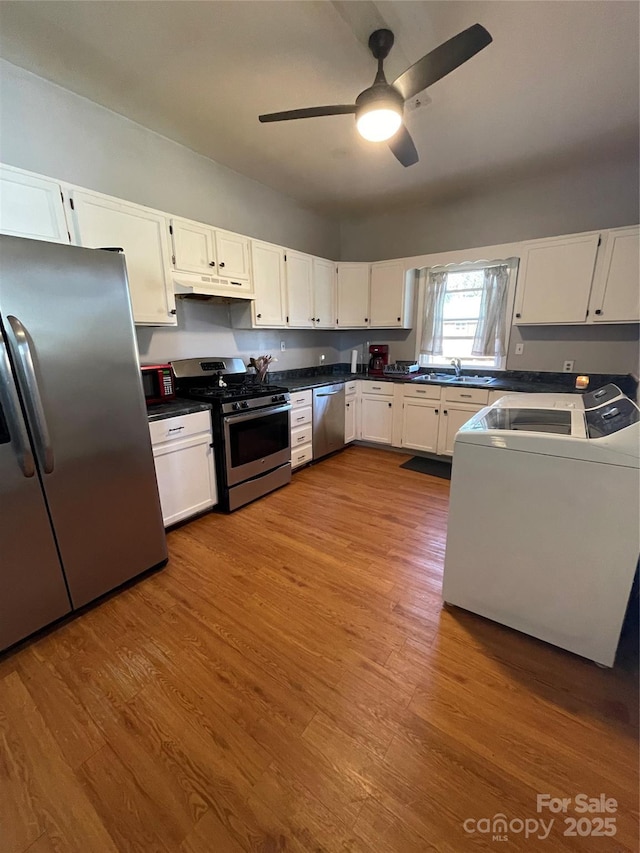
<point x="256" y="442"/>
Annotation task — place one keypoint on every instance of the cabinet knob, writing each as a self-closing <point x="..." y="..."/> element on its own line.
<point x="173" y="311"/>
<point x="445" y="412"/>
<point x="348" y="404"/>
<point x="317" y="319"/>
<point x="259" y="316"/>
<point x="390" y="405"/>
<point x="366" y="319"/>
<point x="518" y="315"/>
<point x="399" y="319"/>
<point x="436" y="411"/>
<point x="221" y="264"/>
<point x="598" y="311"/>
<point x="212" y="263"/>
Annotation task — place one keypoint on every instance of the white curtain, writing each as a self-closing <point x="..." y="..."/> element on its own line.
<point x="490" y="334"/>
<point x="435" y="292"/>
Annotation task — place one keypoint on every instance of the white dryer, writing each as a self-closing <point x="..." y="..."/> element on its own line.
<point x="544" y="520"/>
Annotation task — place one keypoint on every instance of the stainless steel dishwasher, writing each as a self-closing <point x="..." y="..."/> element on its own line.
<point x="328" y="419"/>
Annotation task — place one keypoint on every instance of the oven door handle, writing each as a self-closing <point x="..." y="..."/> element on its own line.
<point x="236" y="417"/>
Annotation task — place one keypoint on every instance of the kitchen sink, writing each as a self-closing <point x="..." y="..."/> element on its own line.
<point x="448" y="377"/>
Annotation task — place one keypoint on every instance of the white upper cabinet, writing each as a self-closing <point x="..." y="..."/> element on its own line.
<point x="616" y="290"/>
<point x="269" y="281"/>
<point x="300" y="289"/>
<point x="31" y="206"/>
<point x="554" y="281"/>
<point x="324" y="294"/>
<point x="391" y="296"/>
<point x="353" y="295"/>
<point x="220" y="258"/>
<point x="100" y="221"/>
<point x="193" y="247"/>
<point x="233" y="255"/>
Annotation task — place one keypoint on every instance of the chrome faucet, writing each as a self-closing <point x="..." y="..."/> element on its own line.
<point x="457" y="366"/>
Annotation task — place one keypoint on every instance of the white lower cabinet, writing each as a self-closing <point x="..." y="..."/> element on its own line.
<point x="350" y="412"/>
<point x="376" y="412"/>
<point x="420" y="425"/>
<point x="185" y="467"/>
<point x="457" y="406"/>
<point x="301" y="428"/>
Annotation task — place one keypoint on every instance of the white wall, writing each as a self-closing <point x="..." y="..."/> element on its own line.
<point x="204" y="328"/>
<point x="50" y="130"/>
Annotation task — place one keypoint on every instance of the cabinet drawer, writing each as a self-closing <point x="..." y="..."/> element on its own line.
<point x="466" y="395"/>
<point x="301" y="455"/>
<point x="301" y="398"/>
<point x="179" y="427"/>
<point x="422" y="392"/>
<point x="301" y="416"/>
<point x="300" y="436"/>
<point x="384" y="389"/>
<point x="350" y="387"/>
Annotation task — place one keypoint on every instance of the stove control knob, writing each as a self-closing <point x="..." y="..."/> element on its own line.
<point x="282" y="397"/>
<point x="275" y="398"/>
<point x="235" y="406"/>
<point x="244" y="405"/>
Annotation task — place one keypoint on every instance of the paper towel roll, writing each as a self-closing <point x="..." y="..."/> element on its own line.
<point x="354" y="360"/>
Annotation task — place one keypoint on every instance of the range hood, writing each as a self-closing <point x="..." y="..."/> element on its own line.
<point x="212" y="286"/>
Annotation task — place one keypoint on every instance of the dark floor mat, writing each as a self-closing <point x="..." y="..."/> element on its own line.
<point x="428" y="466"/>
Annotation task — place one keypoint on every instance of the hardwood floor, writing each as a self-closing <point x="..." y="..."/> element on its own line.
<point x="290" y="682"/>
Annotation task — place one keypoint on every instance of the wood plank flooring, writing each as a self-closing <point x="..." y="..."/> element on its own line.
<point x="290" y="682"/>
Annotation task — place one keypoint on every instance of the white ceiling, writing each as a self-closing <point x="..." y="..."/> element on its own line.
<point x="558" y="84"/>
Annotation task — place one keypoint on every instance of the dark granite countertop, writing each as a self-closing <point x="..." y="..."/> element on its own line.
<point x="174" y="408"/>
<point x="541" y="383"/>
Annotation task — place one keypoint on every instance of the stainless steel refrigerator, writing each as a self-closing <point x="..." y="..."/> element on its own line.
<point x="79" y="507"/>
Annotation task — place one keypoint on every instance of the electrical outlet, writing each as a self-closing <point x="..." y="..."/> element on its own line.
<point x="567" y="367"/>
<point x="519" y="349"/>
<point x="322" y="359"/>
<point x="283" y="346"/>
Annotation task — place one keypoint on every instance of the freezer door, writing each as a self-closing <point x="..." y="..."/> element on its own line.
<point x="32" y="587"/>
<point x="69" y="327"/>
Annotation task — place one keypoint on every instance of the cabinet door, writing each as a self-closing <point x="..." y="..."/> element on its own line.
<point x="618" y="296"/>
<point x="186" y="477"/>
<point x="31" y="207"/>
<point x="193" y="248"/>
<point x="232" y="253"/>
<point x="451" y="419"/>
<point x="420" y="425"/>
<point x="143" y="235"/>
<point x="353" y="296"/>
<point x="324" y="293"/>
<point x="350" y="432"/>
<point x="377" y="419"/>
<point x="269" y="307"/>
<point x="387" y="294"/>
<point x="555" y="279"/>
<point x="299" y="290"/>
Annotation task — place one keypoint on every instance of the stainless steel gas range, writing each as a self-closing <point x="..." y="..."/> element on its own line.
<point x="251" y="426"/>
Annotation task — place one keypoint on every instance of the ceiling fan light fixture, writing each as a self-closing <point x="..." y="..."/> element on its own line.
<point x="379" y="123"/>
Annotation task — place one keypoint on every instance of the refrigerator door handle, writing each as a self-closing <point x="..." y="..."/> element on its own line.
<point x="41" y="431"/>
<point x="11" y="405"/>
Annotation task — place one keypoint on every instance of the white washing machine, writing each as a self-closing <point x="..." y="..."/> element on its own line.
<point x="544" y="519"/>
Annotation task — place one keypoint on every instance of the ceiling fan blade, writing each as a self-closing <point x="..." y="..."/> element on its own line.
<point x="402" y="146"/>
<point x="310" y="112"/>
<point x="442" y="60"/>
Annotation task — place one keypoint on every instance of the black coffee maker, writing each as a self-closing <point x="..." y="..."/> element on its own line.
<point x="378" y="358"/>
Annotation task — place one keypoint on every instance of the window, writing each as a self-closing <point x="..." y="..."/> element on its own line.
<point x="465" y="314"/>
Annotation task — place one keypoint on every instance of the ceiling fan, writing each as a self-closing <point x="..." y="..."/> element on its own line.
<point x="378" y="109"/>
